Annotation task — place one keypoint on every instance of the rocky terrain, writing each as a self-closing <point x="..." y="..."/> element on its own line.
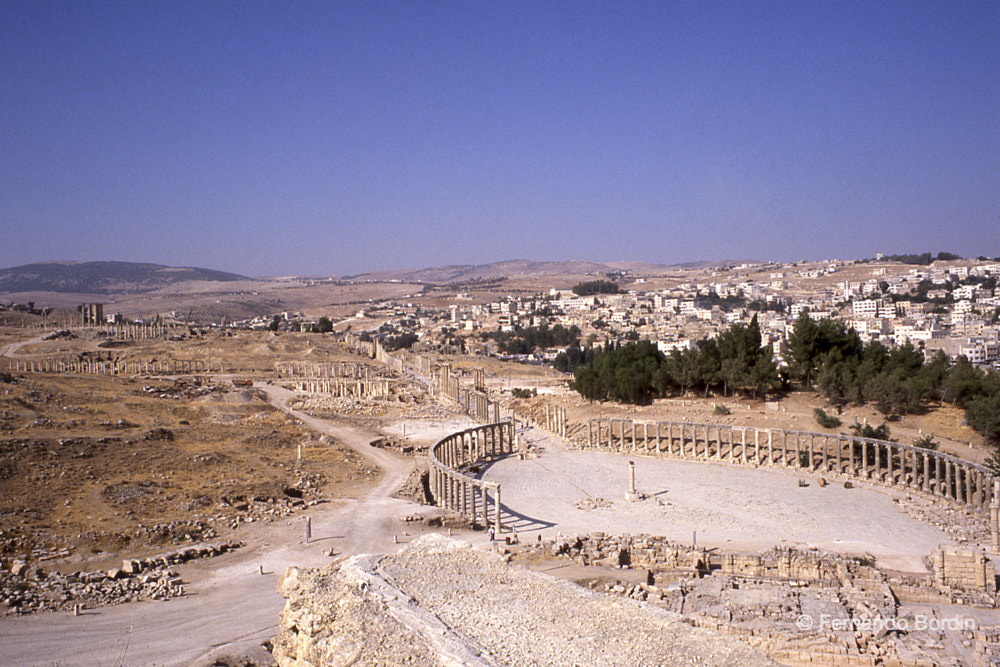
<point x="439" y="601"/>
<point x="25" y="588"/>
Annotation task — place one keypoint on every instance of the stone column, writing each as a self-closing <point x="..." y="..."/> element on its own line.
<point x="743" y="444"/>
<point x="486" y="516"/>
<point x="864" y="456"/>
<point x="590" y="434"/>
<point x="927" y="473"/>
<point x="995" y="517"/>
<point x="659" y="444"/>
<point x="939" y="475"/>
<point x="496" y="509"/>
<point x="949" y="490"/>
<point x="889" y="461"/>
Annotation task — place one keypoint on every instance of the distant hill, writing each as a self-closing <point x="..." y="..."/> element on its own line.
<point x="102" y="277"/>
<point x="507" y="269"/>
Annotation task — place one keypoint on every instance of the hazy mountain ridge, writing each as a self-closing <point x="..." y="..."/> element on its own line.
<point x="465" y="272"/>
<point x="103" y="277"/>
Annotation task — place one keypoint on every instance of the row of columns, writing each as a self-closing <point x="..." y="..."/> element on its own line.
<point x="108" y="366"/>
<point x="345" y="388"/>
<point x="878" y="460"/>
<point x="453" y="485"/>
<point x="323" y="369"/>
<point x="134" y="331"/>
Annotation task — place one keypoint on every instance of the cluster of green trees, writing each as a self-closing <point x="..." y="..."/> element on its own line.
<point x="923" y="259"/>
<point x="638" y="372"/>
<point x="825" y="355"/>
<point x="596" y="287"/>
<point x="525" y="340"/>
<point x="403" y="340"/>
<point x="830" y="357"/>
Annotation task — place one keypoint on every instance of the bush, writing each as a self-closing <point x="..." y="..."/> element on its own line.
<point x="926" y="442"/>
<point x="520" y="392"/>
<point x="722" y="410"/>
<point x="880" y="432"/>
<point x="825" y="420"/>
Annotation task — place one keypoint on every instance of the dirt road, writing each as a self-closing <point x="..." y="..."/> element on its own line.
<point x="230" y="605"/>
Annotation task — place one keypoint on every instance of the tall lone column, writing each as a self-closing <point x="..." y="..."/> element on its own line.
<point x="632" y="493"/>
<point x="995" y="516"/>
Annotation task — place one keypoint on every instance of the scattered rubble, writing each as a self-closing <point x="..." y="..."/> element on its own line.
<point x="26" y="589"/>
<point x="803" y="606"/>
<point x="441" y="602"/>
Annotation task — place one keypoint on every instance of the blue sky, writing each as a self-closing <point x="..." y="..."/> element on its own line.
<point x="276" y="138"/>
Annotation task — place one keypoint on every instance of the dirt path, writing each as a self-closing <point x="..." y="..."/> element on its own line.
<point x="230" y="605"/>
<point x="11" y="349"/>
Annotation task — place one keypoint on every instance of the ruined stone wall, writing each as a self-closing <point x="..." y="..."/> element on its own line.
<point x="964" y="569"/>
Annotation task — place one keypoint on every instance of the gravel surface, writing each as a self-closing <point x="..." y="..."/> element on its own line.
<point x="728" y="506"/>
<point x="525" y="618"/>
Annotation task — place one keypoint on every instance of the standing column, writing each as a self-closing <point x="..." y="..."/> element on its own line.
<point x="633" y="434"/>
<point x="948" y="488"/>
<point x="756" y="446"/>
<point x="770" y="447"/>
<point x="743" y="444"/>
<point x="659" y="445"/>
<point x="927" y="473"/>
<point x="590" y="434"/>
<point x="889" y="460"/>
<point x="939" y="475"/>
<point x="995" y="516"/>
<point x="496" y="508"/>
<point x="486" y="515"/>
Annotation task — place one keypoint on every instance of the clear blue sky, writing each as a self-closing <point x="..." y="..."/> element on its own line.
<point x="275" y="138"/>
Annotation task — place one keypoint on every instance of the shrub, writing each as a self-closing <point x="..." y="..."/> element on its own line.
<point x="880" y="432"/>
<point x="722" y="410"/>
<point x="926" y="442"/>
<point x="825" y="420"/>
<point x="520" y="392"/>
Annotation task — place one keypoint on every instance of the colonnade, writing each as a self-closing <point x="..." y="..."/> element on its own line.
<point x="452" y="478"/>
<point x="108" y="366"/>
<point x="345" y="388"/>
<point x="332" y="369"/>
<point x="882" y="461"/>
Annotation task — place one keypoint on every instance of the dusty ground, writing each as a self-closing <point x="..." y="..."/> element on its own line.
<point x="131" y="464"/>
